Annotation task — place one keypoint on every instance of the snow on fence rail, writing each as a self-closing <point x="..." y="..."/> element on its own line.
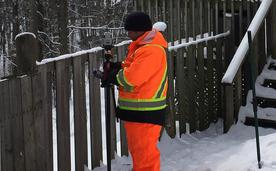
<point x="66" y="56"/>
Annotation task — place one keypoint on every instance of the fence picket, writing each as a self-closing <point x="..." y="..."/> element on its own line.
<point x="80" y="115"/>
<point x="202" y="88"/>
<point x="62" y="115"/>
<point x="219" y="70"/>
<point x="1" y="124"/>
<point x="7" y="149"/>
<point x="170" y="119"/>
<point x="95" y="112"/>
<point x="229" y="102"/>
<point x="39" y="120"/>
<point x="180" y="92"/>
<point x="16" y="121"/>
<point x="46" y="72"/>
<point x="28" y="124"/>
<point x="191" y="85"/>
<point x="210" y="81"/>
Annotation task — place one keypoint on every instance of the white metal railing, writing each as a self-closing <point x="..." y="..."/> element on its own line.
<point x="241" y="52"/>
<point x="175" y="47"/>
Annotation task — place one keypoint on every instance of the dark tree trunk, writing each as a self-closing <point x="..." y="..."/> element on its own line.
<point x="62" y="6"/>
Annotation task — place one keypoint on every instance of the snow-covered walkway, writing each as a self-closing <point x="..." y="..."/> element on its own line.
<point x="213" y="151"/>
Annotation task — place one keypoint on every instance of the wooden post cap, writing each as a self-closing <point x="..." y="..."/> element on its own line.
<point x="26" y="53"/>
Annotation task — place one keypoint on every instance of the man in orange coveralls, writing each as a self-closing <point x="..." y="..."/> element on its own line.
<point x="142" y="81"/>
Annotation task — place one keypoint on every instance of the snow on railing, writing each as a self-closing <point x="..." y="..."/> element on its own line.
<point x="71" y="55"/>
<point x="239" y="56"/>
<point x="79" y="53"/>
<point x="126" y="42"/>
<point x="97" y="28"/>
<point x="171" y="48"/>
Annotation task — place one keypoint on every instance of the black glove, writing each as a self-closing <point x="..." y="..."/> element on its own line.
<point x="108" y="77"/>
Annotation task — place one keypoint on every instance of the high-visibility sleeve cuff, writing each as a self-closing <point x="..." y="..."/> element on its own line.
<point x="123" y="81"/>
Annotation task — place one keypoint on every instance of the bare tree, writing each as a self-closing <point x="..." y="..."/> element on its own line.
<point x="62" y="10"/>
<point x="62" y="26"/>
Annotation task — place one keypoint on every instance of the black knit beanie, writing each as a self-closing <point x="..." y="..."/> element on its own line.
<point x="138" y="21"/>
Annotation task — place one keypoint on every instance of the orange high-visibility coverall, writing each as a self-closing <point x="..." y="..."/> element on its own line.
<point x="142" y="98"/>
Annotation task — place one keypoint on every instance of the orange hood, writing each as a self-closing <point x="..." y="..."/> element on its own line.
<point x="150" y="37"/>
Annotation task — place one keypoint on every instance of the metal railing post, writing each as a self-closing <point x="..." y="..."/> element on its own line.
<point x="252" y="68"/>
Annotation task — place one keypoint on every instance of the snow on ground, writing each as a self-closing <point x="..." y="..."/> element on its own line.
<point x="261" y="91"/>
<point x="211" y="150"/>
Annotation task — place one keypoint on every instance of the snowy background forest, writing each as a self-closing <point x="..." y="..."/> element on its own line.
<point x="62" y="27"/>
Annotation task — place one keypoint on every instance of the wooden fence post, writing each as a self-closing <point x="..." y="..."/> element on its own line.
<point x="29" y="111"/>
<point x="273" y="32"/>
<point x="80" y="115"/>
<point x="95" y="112"/>
<point x="62" y="114"/>
<point x="229" y="108"/>
<point x="47" y="80"/>
<point x="6" y="134"/>
<point x="26" y="53"/>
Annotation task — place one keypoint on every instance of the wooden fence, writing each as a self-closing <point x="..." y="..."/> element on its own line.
<point x="31" y="104"/>
<point x="191" y="19"/>
<point x="198" y="93"/>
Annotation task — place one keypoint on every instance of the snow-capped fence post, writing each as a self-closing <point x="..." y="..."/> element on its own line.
<point x="25" y="140"/>
<point x="27" y="52"/>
